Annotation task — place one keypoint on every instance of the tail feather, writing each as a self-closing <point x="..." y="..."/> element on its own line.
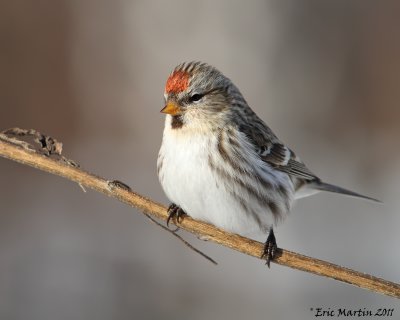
<point x="319" y="185"/>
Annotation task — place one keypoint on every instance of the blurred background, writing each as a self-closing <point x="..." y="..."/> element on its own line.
<point x="323" y="74"/>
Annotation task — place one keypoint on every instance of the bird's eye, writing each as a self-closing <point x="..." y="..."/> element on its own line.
<point x="196" y="97"/>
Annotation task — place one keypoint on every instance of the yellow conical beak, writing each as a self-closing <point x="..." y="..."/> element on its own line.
<point x="171" y="108"/>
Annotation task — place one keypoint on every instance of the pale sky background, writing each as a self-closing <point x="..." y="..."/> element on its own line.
<point x="324" y="75"/>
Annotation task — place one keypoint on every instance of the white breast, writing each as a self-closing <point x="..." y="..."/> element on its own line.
<point x="189" y="182"/>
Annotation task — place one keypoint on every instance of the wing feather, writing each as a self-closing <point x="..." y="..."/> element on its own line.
<point x="274" y="152"/>
<point x="284" y="159"/>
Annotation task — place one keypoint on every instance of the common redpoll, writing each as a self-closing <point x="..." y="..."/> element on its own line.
<point x="220" y="163"/>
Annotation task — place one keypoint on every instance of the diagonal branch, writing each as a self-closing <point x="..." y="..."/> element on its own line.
<point x="12" y="149"/>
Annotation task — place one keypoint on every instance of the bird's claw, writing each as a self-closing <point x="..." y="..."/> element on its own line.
<point x="176" y="212"/>
<point x="269" y="248"/>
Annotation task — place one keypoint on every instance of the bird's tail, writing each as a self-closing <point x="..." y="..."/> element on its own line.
<point x="319" y="185"/>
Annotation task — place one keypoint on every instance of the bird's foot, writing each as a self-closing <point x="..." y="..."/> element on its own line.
<point x="269" y="248"/>
<point x="176" y="212"/>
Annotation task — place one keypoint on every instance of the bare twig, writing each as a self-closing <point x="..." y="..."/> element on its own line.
<point x="16" y="152"/>
<point x="180" y="238"/>
<point x="120" y="184"/>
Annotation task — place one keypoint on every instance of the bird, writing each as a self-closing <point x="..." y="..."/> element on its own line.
<point x="220" y="163"/>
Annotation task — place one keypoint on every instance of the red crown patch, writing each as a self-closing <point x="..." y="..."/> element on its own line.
<point x="177" y="82"/>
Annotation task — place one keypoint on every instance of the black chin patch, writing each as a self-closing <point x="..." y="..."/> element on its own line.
<point x="177" y="122"/>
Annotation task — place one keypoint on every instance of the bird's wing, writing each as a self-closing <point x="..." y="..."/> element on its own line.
<point x="280" y="157"/>
<point x="274" y="152"/>
<point x="283" y="159"/>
